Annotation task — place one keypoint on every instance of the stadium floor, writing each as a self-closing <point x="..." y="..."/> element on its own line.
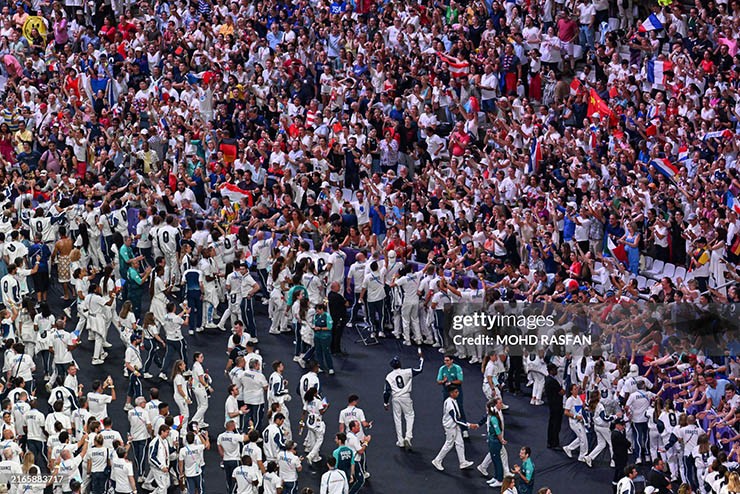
<point x="362" y="372"/>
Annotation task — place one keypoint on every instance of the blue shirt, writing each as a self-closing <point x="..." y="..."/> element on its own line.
<point x="718" y="392"/>
<point x="377" y="223"/>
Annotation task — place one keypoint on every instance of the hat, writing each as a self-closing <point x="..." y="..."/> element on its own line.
<point x="43" y="106"/>
<point x="43" y="173"/>
<point x="691" y="216"/>
<point x="395" y="362"/>
<point x="325" y="185"/>
<point x="634" y="371"/>
<point x="144" y="132"/>
<point x="391" y="254"/>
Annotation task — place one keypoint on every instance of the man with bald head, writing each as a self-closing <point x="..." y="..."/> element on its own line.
<point x="338" y="312"/>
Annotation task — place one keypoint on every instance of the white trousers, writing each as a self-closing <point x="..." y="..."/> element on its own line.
<point x="403" y="407"/>
<point x="453" y="439"/>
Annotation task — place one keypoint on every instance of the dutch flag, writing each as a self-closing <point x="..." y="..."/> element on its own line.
<point x="652" y="23"/>
<point x="665" y="167"/>
<point x="656" y="70"/>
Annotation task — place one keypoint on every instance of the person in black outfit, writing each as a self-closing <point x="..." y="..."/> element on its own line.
<point x="658" y="479"/>
<point x="620" y="448"/>
<point x="554" y="393"/>
<point x="338" y="312"/>
<point x="516" y="372"/>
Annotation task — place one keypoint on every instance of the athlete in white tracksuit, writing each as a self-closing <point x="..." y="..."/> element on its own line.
<point x="408" y="282"/>
<point x="536" y="369"/>
<point x="398" y="384"/>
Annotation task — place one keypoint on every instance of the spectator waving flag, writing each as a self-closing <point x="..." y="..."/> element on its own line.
<point x="576" y="86"/>
<point x="234" y="193"/>
<point x="733" y="203"/>
<point x="535" y="156"/>
<point x="458" y="68"/>
<point x="597" y="105"/>
<point x="616" y="250"/>
<point x="718" y="134"/>
<point x="665" y="167"/>
<point x="652" y="23"/>
<point x="656" y="71"/>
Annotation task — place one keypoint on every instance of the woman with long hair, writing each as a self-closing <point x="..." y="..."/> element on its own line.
<point x="602" y="422"/>
<point x="496" y="441"/>
<point x="275" y="286"/>
<point x="733" y="484"/>
<point x="305" y="318"/>
<point x="126" y="322"/>
<point x="180" y="385"/>
<point x="508" y="485"/>
<point x="153" y="343"/>
<point x="158" y="294"/>
<point x="201" y="388"/>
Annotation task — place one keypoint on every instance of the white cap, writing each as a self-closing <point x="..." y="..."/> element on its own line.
<point x="391" y="254"/>
<point x="324" y="185"/>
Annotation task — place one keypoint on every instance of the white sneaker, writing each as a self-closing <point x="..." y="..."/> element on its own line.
<point x="162" y="376"/>
<point x="274" y="331"/>
<point x="436" y="345"/>
<point x="200" y="329"/>
<point x="191" y="332"/>
<point x="222" y="328"/>
<point x="466" y="464"/>
<point x="568" y="452"/>
<point x="466" y="434"/>
<point x="107" y="345"/>
<point x="67" y="312"/>
<point x="98" y="361"/>
<point x="441" y="350"/>
<point x="367" y="475"/>
<point x="400" y="445"/>
<point x="588" y="461"/>
<point x="504" y="407"/>
<point x="381" y="334"/>
<point x="147" y="375"/>
<point x="482" y="470"/>
<point x="494" y="483"/>
<point x="407" y="343"/>
<point x="296" y="359"/>
<point x="438" y="465"/>
<point x="611" y="464"/>
<point x="407" y="443"/>
<point x="331" y="372"/>
<point x="302" y="363"/>
<point x="254" y="340"/>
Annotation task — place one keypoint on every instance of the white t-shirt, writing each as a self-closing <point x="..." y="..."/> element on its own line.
<point x="121" y="470"/>
<point x="98" y="404"/>
<point x="192" y="456"/>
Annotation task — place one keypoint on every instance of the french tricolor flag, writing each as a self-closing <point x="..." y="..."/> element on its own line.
<point x="718" y="134"/>
<point x="733" y="203"/>
<point x="665" y="167"/>
<point x="656" y="70"/>
<point x="652" y="23"/>
<point x="535" y="156"/>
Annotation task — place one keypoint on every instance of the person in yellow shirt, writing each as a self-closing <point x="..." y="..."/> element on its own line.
<point x="22" y="135"/>
<point x="228" y="27"/>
